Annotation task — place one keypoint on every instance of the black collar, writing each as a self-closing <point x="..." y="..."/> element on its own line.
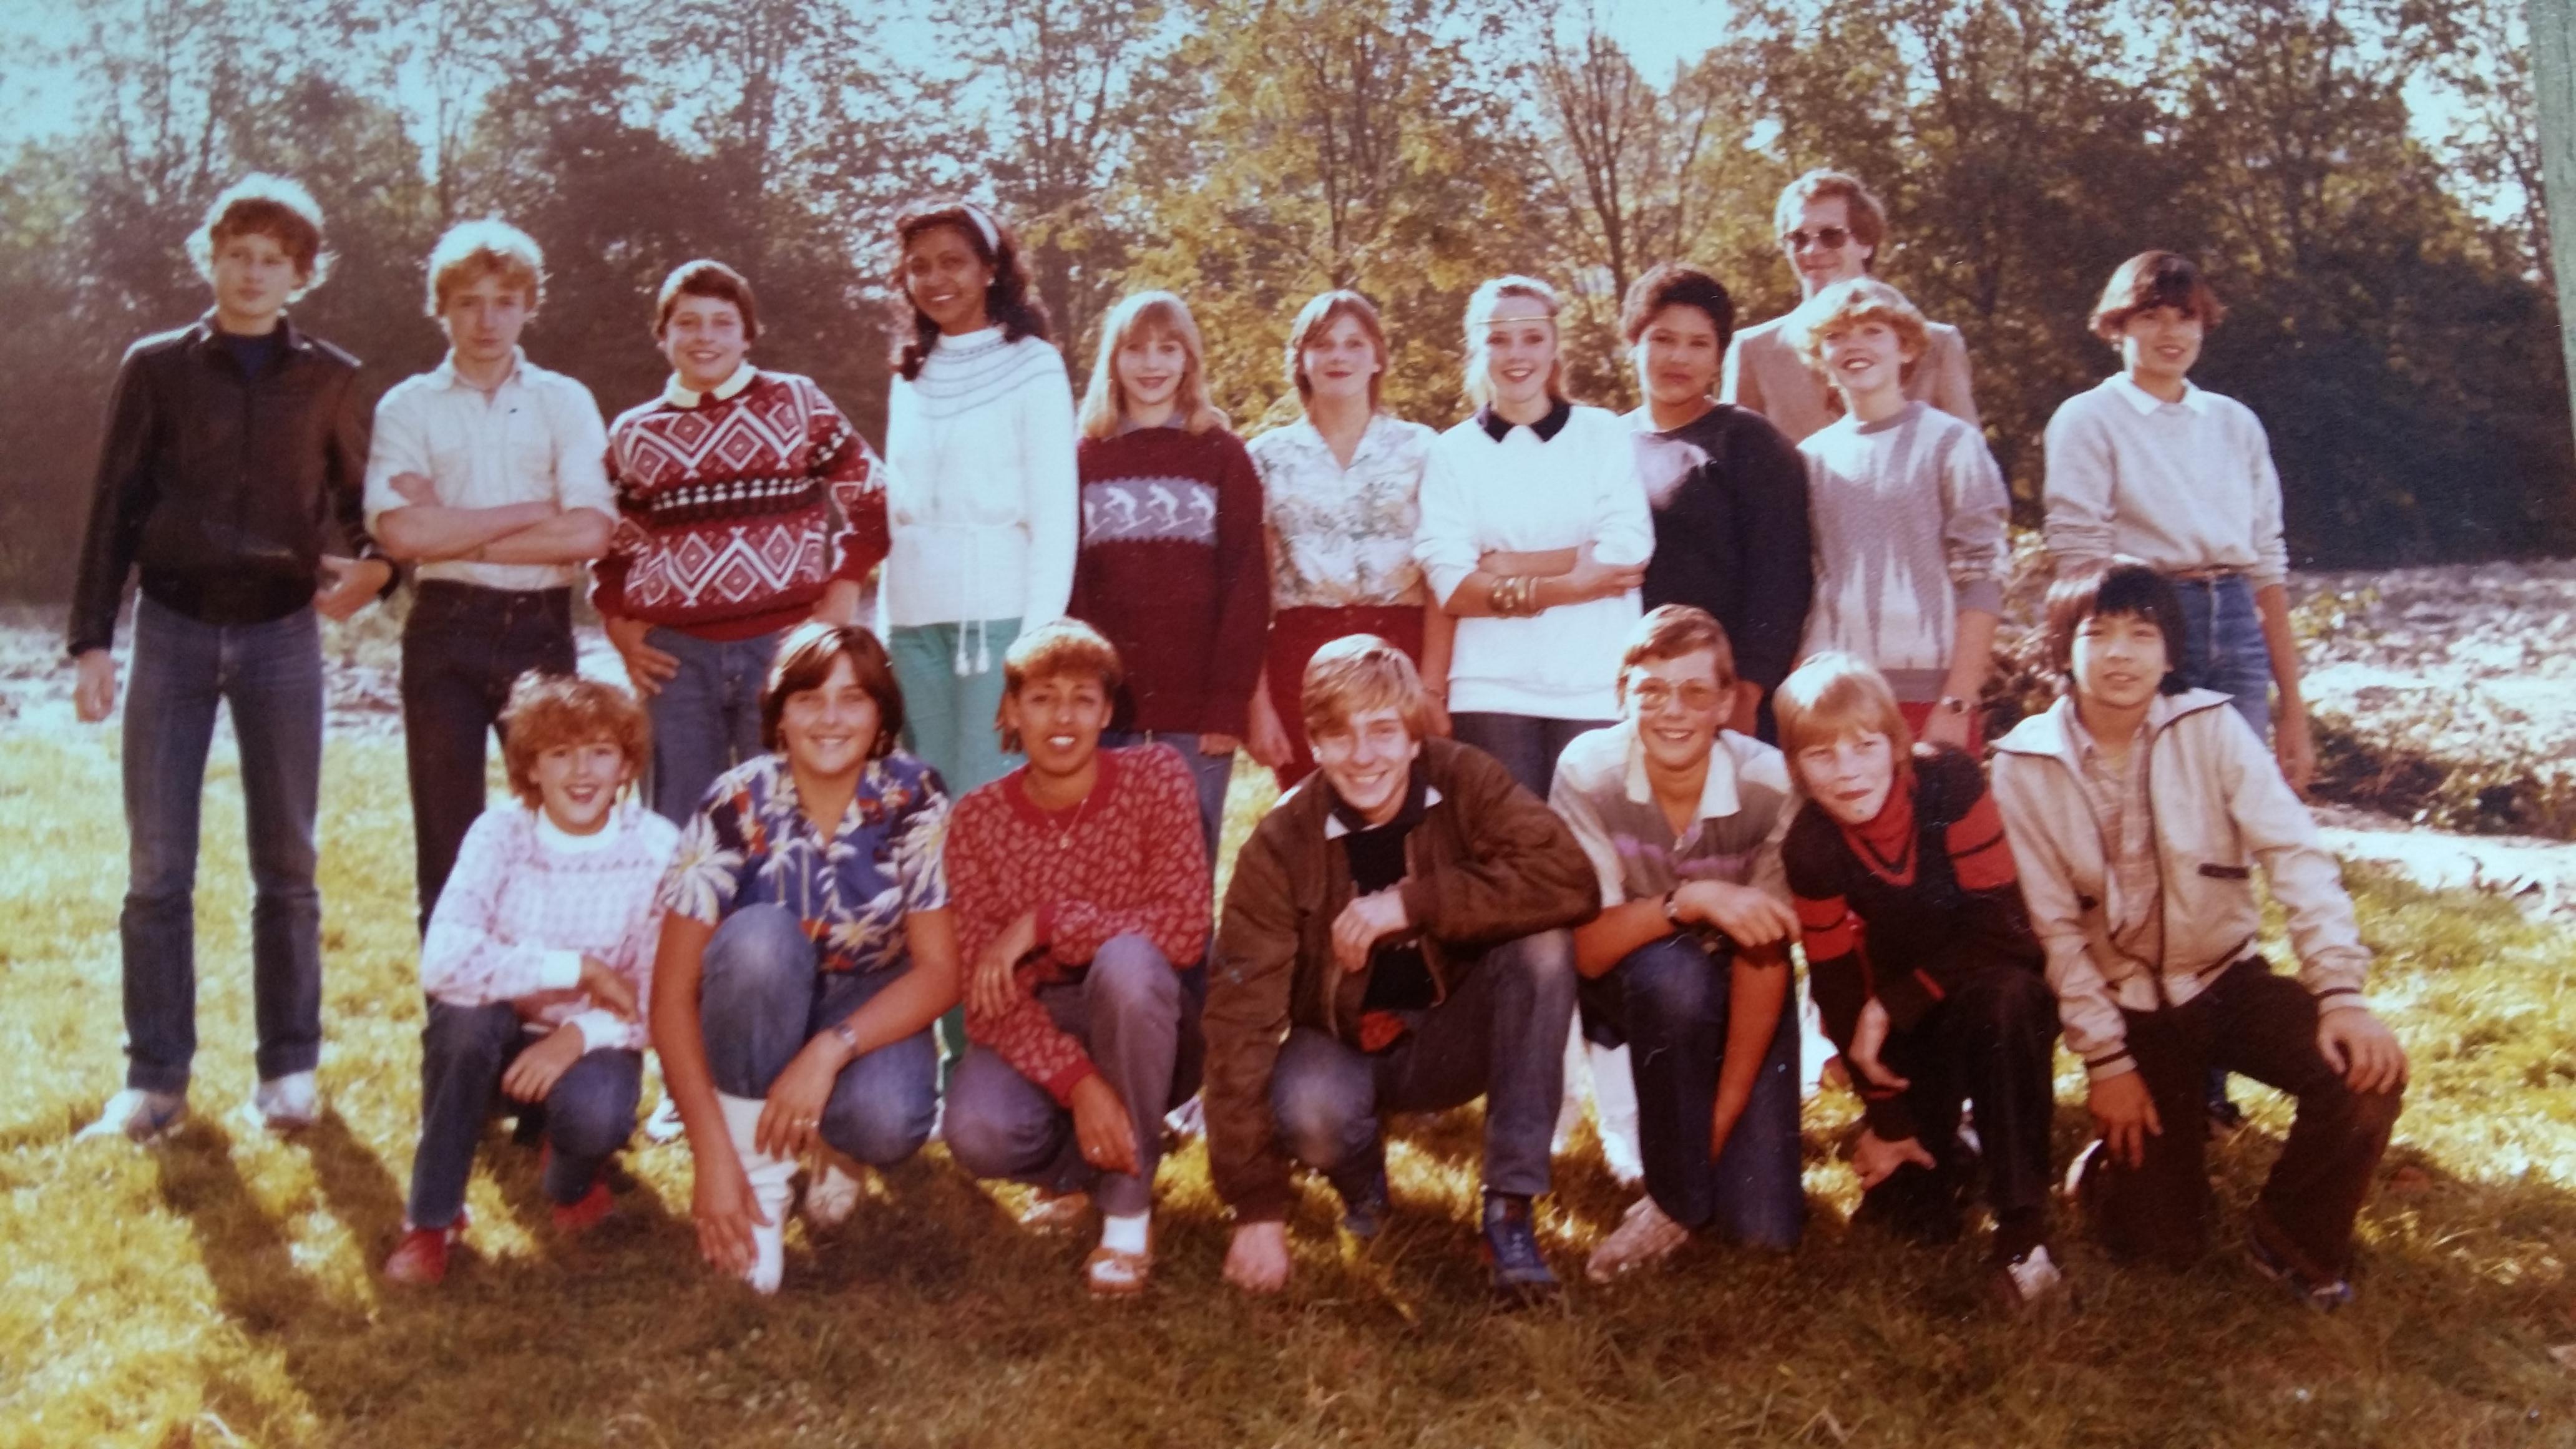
<point x="1547" y="427"/>
<point x="211" y="337"/>
<point x="1417" y="790"/>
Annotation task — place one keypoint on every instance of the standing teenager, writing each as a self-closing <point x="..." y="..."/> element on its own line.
<point x="1535" y="536"/>
<point x="747" y="504"/>
<point x="1830" y="227"/>
<point x="807" y="950"/>
<point x="1170" y="568"/>
<point x="230" y="478"/>
<point x="1728" y="488"/>
<point x="488" y="472"/>
<point x="1342" y="485"/>
<point x="1909" y="513"/>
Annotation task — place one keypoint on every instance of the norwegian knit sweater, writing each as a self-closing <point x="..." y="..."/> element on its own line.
<point x="726" y="503"/>
<point x="1128" y="859"/>
<point x="1171" y="572"/>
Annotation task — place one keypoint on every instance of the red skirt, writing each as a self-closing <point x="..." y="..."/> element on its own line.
<point x="1295" y="635"/>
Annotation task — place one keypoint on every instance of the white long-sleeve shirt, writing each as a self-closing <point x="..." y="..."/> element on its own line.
<point x="537" y="438"/>
<point x="1561" y="484"/>
<point x="983" y="501"/>
<point x="2182" y="486"/>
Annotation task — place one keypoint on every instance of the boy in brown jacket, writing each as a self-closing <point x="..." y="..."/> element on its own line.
<point x="1395" y="940"/>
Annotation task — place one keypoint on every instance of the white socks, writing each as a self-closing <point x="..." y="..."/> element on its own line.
<point x="1126" y="1234"/>
<point x="769" y="1190"/>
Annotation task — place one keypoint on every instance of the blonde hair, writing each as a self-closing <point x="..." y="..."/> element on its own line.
<point x="1317" y="318"/>
<point x="1834" y="696"/>
<point x="1480" y="316"/>
<point x="1358" y="673"/>
<point x="1104" y="404"/>
<point x="1849" y="304"/>
<point x="491" y="247"/>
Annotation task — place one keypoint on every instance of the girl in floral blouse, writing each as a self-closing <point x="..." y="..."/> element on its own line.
<point x="807" y="951"/>
<point x="1339" y="486"/>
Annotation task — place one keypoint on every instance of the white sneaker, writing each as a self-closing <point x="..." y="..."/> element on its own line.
<point x="831" y="1195"/>
<point x="664" y="1124"/>
<point x="138" y="1115"/>
<point x="289" y="1103"/>
<point x="1058" y="1212"/>
<point x="1644" y="1236"/>
<point x="2031" y="1277"/>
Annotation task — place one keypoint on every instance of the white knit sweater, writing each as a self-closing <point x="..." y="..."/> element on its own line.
<point x="982" y="499"/>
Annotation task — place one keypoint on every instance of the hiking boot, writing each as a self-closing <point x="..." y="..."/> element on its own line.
<point x="1645" y="1235"/>
<point x="139" y="1115"/>
<point x="1521" y="1274"/>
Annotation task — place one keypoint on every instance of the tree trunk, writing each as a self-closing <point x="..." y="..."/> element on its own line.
<point x="2553" y="79"/>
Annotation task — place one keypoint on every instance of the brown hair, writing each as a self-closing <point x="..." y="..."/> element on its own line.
<point x="1358" y="673"/>
<point x="804" y="661"/>
<point x="2150" y="280"/>
<point x="705" y="277"/>
<point x="1836" y="695"/>
<point x="550" y="711"/>
<point x="1669" y="631"/>
<point x="1104" y="405"/>
<point x="1317" y="318"/>
<point x="1867" y="219"/>
<point x="491" y="247"/>
<point x="1676" y="284"/>
<point x="1848" y="304"/>
<point x="1056" y="648"/>
<point x="275" y="207"/>
<point x="2116" y="585"/>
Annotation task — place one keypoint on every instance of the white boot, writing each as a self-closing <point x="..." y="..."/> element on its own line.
<point x="770" y="1177"/>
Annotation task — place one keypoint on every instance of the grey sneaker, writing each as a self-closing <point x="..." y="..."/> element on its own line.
<point x="2030" y="1279"/>
<point x="289" y="1103"/>
<point x="138" y="1115"/>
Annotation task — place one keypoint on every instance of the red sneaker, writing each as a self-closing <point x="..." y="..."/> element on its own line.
<point x="420" y="1259"/>
<point x="574" y="1219"/>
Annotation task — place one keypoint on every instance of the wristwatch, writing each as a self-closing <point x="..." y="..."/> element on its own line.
<point x="1672" y="912"/>
<point x="849" y="1036"/>
<point x="1951" y="704"/>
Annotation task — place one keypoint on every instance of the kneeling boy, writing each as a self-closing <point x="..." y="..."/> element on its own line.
<point x="1922" y="963"/>
<point x="539" y="952"/>
<point x="2138" y="809"/>
<point x="1394" y="941"/>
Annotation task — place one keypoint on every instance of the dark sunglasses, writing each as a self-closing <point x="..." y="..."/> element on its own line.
<point x="1830" y="238"/>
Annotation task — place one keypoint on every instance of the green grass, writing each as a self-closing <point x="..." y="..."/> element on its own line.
<point x="219" y="1290"/>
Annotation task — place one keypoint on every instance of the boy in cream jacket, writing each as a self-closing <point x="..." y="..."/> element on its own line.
<point x="2138" y="811"/>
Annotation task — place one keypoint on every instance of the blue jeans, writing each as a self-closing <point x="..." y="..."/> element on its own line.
<point x="1128" y="1011"/>
<point x="462" y="648"/>
<point x="1499" y="1035"/>
<point x="270" y="676"/>
<point x="464" y="1050"/>
<point x="1670" y="998"/>
<point x="762" y="998"/>
<point x="2223" y="648"/>
<point x="1526" y="744"/>
<point x="706" y="717"/>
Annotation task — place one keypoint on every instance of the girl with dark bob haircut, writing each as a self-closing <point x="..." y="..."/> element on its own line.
<point x="804" y="662"/>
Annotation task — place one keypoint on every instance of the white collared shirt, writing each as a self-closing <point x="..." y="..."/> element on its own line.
<point x="537" y="438"/>
<point x="2184" y="486"/>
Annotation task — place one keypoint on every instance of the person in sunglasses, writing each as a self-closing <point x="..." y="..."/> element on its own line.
<point x="1831" y="227"/>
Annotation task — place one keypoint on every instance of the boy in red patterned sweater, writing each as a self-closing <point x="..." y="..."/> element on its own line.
<point x="1081" y="889"/>
<point x="746" y="504"/>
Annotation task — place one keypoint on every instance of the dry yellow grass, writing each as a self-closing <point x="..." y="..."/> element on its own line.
<point x="220" y="1290"/>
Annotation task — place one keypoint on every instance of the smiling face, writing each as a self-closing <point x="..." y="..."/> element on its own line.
<point x="1678" y="705"/>
<point x="2158" y="345"/>
<point x="1150" y="366"/>
<point x="704" y="338"/>
<point x="1520" y="355"/>
<point x="1677" y="356"/>
<point x="946" y="280"/>
<point x="2119" y="660"/>
<point x="1340" y="361"/>
<point x="1850" y="775"/>
<point x="579" y="783"/>
<point x="254" y="276"/>
<point x="1865" y="358"/>
<point x="483" y="319"/>
<point x="1058" y="718"/>
<point x="1368" y="760"/>
<point x="828" y="731"/>
<point x="1822" y="246"/>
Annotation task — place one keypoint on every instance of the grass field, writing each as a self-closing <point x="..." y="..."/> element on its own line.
<point x="219" y="1290"/>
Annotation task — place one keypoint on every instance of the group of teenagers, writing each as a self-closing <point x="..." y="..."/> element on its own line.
<point x="1582" y="721"/>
